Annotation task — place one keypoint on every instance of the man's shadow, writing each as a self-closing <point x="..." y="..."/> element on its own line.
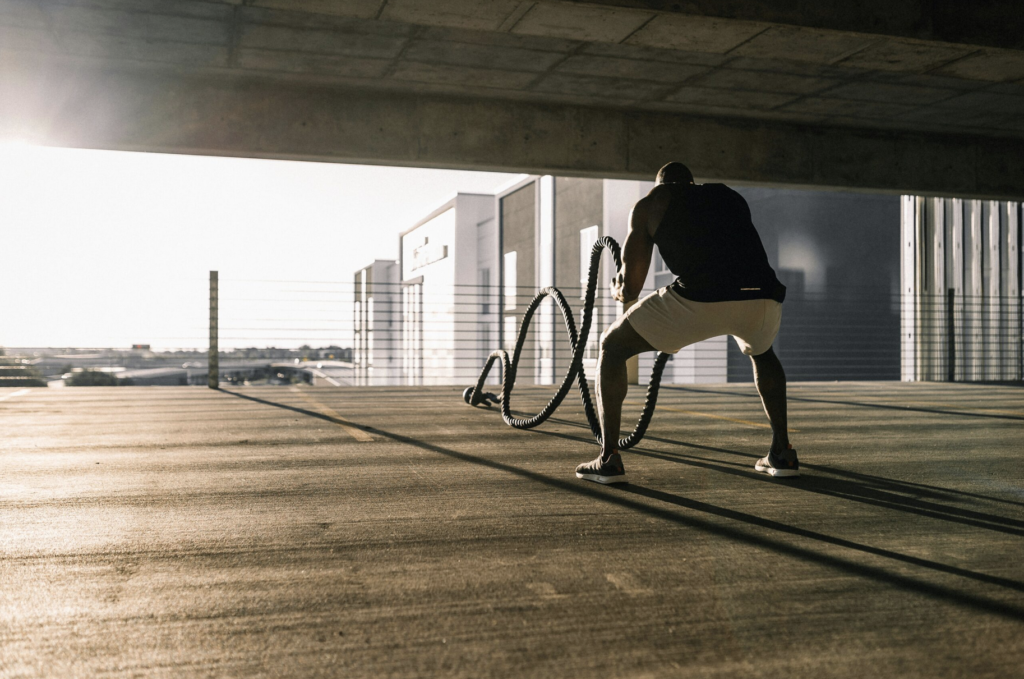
<point x="913" y="498"/>
<point x="861" y="404"/>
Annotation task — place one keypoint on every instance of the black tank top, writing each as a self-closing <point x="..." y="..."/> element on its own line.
<point x="708" y="240"/>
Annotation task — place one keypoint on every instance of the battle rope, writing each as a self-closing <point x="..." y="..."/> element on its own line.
<point x="476" y="395"/>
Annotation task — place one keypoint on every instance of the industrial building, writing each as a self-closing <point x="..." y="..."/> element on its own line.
<point x="961" y="290"/>
<point x="471" y="267"/>
<point x="375" y="314"/>
<point x="445" y="320"/>
<point x="859" y="304"/>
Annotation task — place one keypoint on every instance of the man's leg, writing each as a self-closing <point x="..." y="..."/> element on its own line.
<point x="619" y="343"/>
<point x="770" y="379"/>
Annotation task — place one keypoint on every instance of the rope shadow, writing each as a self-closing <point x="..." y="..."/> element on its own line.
<point x="619" y="498"/>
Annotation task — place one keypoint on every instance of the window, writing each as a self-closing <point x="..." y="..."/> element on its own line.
<point x="588" y="237"/>
<point x="412" y="333"/>
<point x="510" y="280"/>
<point x="510" y="331"/>
<point x="484" y="280"/>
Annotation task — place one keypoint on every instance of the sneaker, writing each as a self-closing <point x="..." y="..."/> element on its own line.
<point x="602" y="470"/>
<point x="784" y="464"/>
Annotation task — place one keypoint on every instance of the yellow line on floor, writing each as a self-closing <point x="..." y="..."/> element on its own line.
<point x="350" y="429"/>
<point x="673" y="409"/>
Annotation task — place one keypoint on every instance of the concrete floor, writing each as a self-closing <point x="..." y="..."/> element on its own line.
<point x="392" y="532"/>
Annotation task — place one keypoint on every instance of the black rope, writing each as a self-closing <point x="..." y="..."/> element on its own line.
<point x="476" y="395"/>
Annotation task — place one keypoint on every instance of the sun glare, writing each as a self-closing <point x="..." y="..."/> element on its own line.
<point x="14" y="144"/>
<point x="15" y="148"/>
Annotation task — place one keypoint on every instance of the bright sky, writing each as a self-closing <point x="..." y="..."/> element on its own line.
<point x="107" y="249"/>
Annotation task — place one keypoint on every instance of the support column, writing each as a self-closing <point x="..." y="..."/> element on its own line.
<point x="213" y="372"/>
<point x="545" y="319"/>
<point x="909" y="325"/>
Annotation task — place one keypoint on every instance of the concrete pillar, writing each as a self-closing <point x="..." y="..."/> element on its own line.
<point x="213" y="357"/>
<point x="908" y="288"/>
<point x="618" y="198"/>
<point x="545" y="268"/>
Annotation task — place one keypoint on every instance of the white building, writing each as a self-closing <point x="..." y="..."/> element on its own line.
<point x="449" y="292"/>
<point x="547" y="227"/>
<point x="376" y="316"/>
<point x="469" y="269"/>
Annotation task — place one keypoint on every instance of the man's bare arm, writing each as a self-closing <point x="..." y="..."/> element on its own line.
<point x="636" y="254"/>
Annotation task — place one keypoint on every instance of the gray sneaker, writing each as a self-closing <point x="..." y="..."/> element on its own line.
<point x="781" y="465"/>
<point x="603" y="470"/>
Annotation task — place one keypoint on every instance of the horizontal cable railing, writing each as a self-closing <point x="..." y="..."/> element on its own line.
<point x="429" y="332"/>
<point x="426" y="332"/>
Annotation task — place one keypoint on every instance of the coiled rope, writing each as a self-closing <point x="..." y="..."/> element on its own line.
<point x="476" y="395"/>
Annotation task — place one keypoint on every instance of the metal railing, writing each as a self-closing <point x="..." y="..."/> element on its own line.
<point x="421" y="334"/>
<point x="962" y="338"/>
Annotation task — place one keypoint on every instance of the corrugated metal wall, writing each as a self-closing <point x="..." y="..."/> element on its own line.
<point x="961" y="290"/>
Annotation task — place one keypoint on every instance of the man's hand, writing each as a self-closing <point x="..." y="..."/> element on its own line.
<point x="616" y="285"/>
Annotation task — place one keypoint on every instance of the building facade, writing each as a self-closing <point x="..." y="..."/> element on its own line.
<point x="376" y="331"/>
<point x="468" y="271"/>
<point x="548" y="226"/>
<point x="961" y="290"/>
<point x="837" y="253"/>
<point x="448" y="292"/>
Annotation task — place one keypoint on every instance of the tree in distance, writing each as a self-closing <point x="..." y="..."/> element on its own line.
<point x="92" y="378"/>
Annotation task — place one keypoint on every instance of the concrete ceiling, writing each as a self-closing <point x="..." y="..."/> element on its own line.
<point x="826" y="65"/>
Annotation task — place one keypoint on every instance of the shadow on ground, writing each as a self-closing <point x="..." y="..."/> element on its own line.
<point x="738" y="526"/>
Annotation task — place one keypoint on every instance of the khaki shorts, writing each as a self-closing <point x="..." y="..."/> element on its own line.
<point x="670" y="322"/>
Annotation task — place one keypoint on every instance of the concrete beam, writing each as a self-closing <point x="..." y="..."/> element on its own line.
<point x="994" y="23"/>
<point x="215" y="115"/>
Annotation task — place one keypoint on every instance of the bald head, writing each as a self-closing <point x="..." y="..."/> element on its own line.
<point x="674" y="173"/>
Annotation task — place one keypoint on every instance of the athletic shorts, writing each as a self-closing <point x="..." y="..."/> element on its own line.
<point x="670" y="322"/>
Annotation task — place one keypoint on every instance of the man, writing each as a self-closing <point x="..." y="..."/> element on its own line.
<point x="725" y="286"/>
